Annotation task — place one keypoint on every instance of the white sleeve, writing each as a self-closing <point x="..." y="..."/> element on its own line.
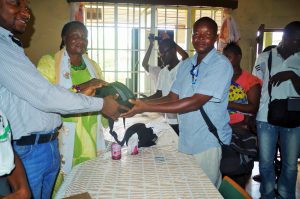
<point x="261" y="66"/>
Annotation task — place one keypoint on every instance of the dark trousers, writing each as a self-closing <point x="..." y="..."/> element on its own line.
<point x="4" y="186"/>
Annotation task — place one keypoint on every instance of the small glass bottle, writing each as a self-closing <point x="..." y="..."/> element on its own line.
<point x="115" y="151"/>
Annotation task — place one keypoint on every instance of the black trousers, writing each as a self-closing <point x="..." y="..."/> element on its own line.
<point x="4" y="187"/>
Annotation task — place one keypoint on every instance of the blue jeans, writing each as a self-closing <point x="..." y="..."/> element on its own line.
<point x="41" y="163"/>
<point x="289" y="141"/>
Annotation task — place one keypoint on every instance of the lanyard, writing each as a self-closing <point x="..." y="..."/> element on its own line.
<point x="194" y="72"/>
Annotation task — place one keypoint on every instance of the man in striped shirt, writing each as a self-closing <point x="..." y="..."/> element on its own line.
<point x="33" y="105"/>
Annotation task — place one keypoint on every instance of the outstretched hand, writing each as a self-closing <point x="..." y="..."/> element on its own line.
<point x="89" y="88"/>
<point x="138" y="107"/>
<point x="111" y="108"/>
<point x="280" y="77"/>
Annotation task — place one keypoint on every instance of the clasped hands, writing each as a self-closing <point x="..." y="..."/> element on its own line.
<point x="122" y="111"/>
<point x="111" y="108"/>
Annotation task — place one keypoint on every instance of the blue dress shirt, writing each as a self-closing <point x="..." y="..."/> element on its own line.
<point x="213" y="79"/>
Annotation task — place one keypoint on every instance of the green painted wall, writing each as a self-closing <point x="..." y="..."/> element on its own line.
<point x="50" y="16"/>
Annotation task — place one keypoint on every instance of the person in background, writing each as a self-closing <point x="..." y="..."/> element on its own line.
<point x="244" y="98"/>
<point x="154" y="70"/>
<point x="202" y="80"/>
<point x="11" y="167"/>
<point x="285" y="82"/>
<point x="277" y="161"/>
<point x="167" y="75"/>
<point x="82" y="135"/>
<point x="33" y="105"/>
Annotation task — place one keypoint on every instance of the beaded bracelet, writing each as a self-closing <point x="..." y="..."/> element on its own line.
<point x="75" y="89"/>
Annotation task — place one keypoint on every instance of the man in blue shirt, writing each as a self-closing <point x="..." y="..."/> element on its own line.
<point x="202" y="80"/>
<point x="32" y="104"/>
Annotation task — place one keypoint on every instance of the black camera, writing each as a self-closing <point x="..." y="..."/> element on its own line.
<point x="153" y="37"/>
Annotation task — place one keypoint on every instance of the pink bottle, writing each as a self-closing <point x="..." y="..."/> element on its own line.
<point x="115" y="151"/>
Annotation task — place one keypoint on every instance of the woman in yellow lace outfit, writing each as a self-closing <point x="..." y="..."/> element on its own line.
<point x="81" y="136"/>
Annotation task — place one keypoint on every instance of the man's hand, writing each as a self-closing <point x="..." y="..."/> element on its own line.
<point x="139" y="107"/>
<point x="111" y="108"/>
<point x="18" y="181"/>
<point x="89" y="88"/>
<point x="280" y="77"/>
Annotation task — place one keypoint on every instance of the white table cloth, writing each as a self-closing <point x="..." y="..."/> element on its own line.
<point x="155" y="172"/>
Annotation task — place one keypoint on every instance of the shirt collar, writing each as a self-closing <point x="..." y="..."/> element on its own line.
<point x="9" y="37"/>
<point x="206" y="59"/>
<point x="5" y="32"/>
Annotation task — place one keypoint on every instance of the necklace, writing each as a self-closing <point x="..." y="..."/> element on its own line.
<point x="82" y="66"/>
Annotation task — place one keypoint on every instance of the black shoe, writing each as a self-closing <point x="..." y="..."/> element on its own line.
<point x="256" y="178"/>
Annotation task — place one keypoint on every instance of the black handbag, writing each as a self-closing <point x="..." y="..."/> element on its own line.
<point x="279" y="113"/>
<point x="238" y="156"/>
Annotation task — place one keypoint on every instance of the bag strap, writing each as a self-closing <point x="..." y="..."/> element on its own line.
<point x="211" y="126"/>
<point x="113" y="133"/>
<point x="269" y="68"/>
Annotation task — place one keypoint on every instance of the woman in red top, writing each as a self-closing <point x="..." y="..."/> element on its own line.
<point x="244" y="96"/>
<point x="245" y="88"/>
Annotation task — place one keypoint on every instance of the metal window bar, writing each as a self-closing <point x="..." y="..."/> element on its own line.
<point x="139" y="15"/>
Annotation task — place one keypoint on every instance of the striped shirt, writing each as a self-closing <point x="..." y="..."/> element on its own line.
<point x="29" y="101"/>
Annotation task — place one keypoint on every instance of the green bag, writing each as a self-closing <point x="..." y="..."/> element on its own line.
<point x="116" y="88"/>
<point x="124" y="94"/>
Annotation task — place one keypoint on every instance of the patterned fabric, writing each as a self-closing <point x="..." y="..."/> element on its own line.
<point x="238" y="94"/>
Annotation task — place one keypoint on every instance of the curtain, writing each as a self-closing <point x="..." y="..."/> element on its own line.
<point x="229" y="31"/>
<point x="77" y="11"/>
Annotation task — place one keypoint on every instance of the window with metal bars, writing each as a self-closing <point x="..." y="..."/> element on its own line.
<point x="118" y="37"/>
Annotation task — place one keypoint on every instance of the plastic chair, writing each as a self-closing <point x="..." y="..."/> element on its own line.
<point x="229" y="189"/>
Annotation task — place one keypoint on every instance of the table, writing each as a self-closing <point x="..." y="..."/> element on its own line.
<point x="155" y="172"/>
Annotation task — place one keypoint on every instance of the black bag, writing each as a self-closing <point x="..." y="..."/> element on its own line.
<point x="279" y="113"/>
<point x="234" y="163"/>
<point x="146" y="135"/>
<point x="237" y="157"/>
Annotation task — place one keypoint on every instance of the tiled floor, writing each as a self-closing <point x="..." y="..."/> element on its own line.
<point x="253" y="186"/>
